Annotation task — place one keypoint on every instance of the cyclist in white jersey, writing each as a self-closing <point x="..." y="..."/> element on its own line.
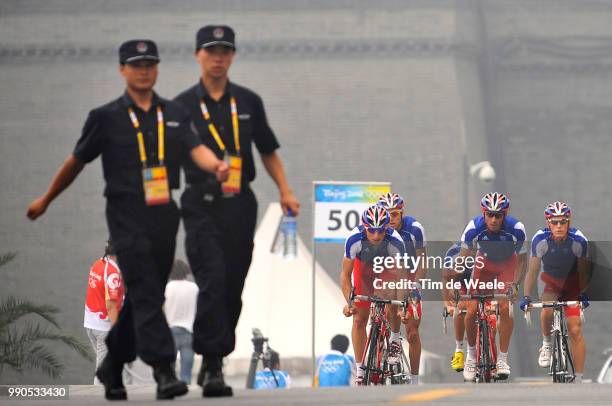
<point x="561" y="252"/>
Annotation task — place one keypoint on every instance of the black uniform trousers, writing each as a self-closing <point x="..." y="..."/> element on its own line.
<point x="144" y="238"/>
<point x="219" y="246"/>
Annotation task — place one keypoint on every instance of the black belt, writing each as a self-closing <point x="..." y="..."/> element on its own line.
<point x="210" y="192"/>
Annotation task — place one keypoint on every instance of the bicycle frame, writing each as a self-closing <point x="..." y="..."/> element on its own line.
<point x="486" y="350"/>
<point x="562" y="369"/>
<point x="377" y="345"/>
<point x="377" y="369"/>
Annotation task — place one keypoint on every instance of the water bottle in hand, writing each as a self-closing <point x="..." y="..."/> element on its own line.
<point x="289" y="230"/>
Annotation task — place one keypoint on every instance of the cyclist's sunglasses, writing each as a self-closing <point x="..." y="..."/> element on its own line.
<point x="497" y="215"/>
<point x="557" y="222"/>
<point x="378" y="230"/>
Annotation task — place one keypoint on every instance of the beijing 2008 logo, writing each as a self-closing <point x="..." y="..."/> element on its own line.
<point x="113" y="281"/>
<point x="372" y="194"/>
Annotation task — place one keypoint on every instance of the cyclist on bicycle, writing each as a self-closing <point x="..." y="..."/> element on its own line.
<point x="413" y="235"/>
<point x="458" y="360"/>
<point x="373" y="238"/>
<point x="498" y="240"/>
<point x="561" y="252"/>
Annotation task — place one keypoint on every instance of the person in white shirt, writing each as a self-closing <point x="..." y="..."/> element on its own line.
<point x="179" y="307"/>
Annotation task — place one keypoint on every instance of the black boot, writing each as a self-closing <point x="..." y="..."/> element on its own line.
<point x="109" y="374"/>
<point x="211" y="378"/>
<point x="168" y="386"/>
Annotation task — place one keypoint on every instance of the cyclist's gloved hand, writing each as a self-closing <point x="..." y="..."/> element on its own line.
<point x="584" y="299"/>
<point x="525" y="303"/>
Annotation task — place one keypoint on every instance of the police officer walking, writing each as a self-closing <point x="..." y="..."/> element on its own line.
<point x="141" y="138"/>
<point x="221" y="217"/>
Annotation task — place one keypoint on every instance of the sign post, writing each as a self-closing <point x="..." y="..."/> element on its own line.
<point x="337" y="209"/>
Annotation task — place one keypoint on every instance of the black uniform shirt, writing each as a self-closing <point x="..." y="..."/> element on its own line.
<point x="252" y="123"/>
<point x="109" y="131"/>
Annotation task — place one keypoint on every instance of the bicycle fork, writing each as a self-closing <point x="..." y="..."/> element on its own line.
<point x="486" y="353"/>
<point x="561" y="357"/>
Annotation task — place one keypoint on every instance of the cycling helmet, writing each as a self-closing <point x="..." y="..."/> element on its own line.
<point x="391" y="201"/>
<point x="495" y="202"/>
<point x="558" y="209"/>
<point x="375" y="217"/>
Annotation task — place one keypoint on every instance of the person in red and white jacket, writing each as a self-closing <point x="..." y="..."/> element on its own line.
<point x="105" y="292"/>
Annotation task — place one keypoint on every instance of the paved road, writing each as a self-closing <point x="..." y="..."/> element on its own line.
<point x="541" y="393"/>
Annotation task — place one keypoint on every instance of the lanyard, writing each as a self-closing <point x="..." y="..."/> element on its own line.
<point x="160" y="136"/>
<point x="106" y="296"/>
<point x="213" y="129"/>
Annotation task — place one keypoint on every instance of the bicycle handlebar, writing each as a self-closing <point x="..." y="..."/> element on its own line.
<point x="492" y="296"/>
<point x="351" y="297"/>
<point x="539" y="305"/>
<point x="553" y="304"/>
<point x="446" y="313"/>
<point x="377" y="300"/>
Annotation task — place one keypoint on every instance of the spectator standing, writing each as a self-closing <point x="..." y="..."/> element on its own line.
<point x="180" y="307"/>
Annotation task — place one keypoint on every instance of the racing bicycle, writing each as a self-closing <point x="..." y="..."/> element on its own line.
<point x="486" y="350"/>
<point x="377" y="368"/>
<point x="561" y="364"/>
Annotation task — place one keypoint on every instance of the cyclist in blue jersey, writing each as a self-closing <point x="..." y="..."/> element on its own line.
<point x="413" y="235"/>
<point x="336" y="368"/>
<point x="367" y="243"/>
<point x="450" y="274"/>
<point x="561" y="252"/>
<point x="496" y="240"/>
<point x="271" y="377"/>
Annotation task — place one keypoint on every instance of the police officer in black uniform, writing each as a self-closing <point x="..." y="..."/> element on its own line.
<point x="221" y="217"/>
<point x="142" y="139"/>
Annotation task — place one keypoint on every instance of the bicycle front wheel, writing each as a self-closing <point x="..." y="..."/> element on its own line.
<point x="557" y="367"/>
<point x="570" y="372"/>
<point x="484" y="367"/>
<point x="371" y="367"/>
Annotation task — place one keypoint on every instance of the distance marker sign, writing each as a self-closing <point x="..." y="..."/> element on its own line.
<point x="338" y="207"/>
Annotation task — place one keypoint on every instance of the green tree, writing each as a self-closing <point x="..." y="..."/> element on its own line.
<point x="23" y="339"/>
